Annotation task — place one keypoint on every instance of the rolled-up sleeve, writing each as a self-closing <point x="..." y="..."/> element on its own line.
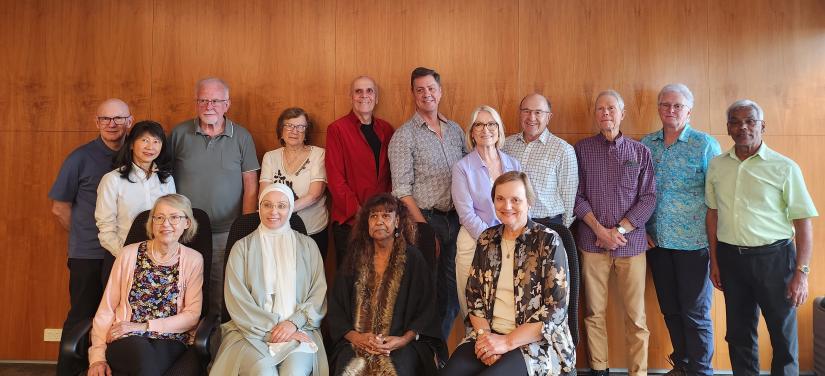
<point x="401" y="163"/>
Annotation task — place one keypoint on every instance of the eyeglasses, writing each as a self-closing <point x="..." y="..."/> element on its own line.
<point x="173" y="219"/>
<point x="119" y="120"/>
<point x="271" y="205"/>
<point x="491" y="126"/>
<point x="295" y="127"/>
<point x="678" y="107"/>
<point x="536" y="113"/>
<point x="213" y="102"/>
<point x="749" y="122"/>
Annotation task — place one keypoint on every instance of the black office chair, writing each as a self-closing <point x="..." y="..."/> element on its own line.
<point x="243" y="226"/>
<point x="193" y="362"/>
<point x="573" y="277"/>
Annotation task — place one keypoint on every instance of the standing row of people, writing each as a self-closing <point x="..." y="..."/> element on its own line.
<point x="629" y="196"/>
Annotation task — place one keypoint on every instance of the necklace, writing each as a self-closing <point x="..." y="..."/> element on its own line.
<point x="155" y="257"/>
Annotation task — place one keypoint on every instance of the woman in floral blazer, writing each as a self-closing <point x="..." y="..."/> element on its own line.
<point x="517" y="294"/>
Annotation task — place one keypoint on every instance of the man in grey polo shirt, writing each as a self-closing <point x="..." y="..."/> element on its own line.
<point x="215" y="167"/>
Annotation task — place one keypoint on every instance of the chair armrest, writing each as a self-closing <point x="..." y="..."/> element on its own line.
<point x="203" y="333"/>
<point x="75" y="341"/>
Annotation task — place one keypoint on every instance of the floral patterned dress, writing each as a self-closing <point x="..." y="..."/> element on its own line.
<point x="540" y="288"/>
<point x="154" y="295"/>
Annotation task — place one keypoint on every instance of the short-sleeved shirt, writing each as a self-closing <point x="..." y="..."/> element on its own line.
<point x="315" y="216"/>
<point x="757" y="199"/>
<point x="421" y="163"/>
<point x="616" y="181"/>
<point x="550" y="163"/>
<point x="679" y="219"/>
<point x="77" y="184"/>
<point x="208" y="169"/>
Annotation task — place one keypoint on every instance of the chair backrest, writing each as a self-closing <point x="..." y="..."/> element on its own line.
<point x="427" y="242"/>
<point x="201" y="242"/>
<point x="573" y="277"/>
<point x="243" y="226"/>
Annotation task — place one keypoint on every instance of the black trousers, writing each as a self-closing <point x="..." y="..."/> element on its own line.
<point x="141" y="356"/>
<point x="340" y="235"/>
<point x="322" y="240"/>
<point x="85" y="290"/>
<point x="464" y="362"/>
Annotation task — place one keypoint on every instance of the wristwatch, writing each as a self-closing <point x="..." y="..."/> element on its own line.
<point x="621" y="229"/>
<point x="805" y="269"/>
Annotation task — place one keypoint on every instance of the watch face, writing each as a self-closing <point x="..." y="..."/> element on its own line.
<point x="805" y="269"/>
<point x="621" y="230"/>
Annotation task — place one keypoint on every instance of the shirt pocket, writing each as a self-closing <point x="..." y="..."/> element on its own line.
<point x="629" y="177"/>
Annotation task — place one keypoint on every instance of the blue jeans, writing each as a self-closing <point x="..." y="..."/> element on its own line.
<point x="754" y="279"/>
<point x="682" y="281"/>
<point x="445" y="225"/>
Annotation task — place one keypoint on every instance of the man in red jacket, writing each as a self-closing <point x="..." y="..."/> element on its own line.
<point x="356" y="160"/>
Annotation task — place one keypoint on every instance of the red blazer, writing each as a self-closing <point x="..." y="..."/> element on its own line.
<point x="350" y="165"/>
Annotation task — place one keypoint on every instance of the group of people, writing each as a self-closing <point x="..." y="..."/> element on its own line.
<point x="739" y="221"/>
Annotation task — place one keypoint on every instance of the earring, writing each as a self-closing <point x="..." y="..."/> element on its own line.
<point x="396" y="232"/>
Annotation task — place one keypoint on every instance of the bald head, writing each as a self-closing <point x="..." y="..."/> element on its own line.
<point x="364" y="96"/>
<point x="534" y="116"/>
<point x="113" y="107"/>
<point x="536" y="99"/>
<point x="113" y="119"/>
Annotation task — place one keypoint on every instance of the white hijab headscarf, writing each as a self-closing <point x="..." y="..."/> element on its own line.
<point x="278" y="251"/>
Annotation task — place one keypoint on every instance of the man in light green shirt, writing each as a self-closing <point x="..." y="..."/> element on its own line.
<point x="761" y="239"/>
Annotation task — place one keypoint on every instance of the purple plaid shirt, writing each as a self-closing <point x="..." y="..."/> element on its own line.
<point x="616" y="181"/>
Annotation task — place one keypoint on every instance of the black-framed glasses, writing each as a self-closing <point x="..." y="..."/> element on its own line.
<point x="536" y="113"/>
<point x="738" y="123"/>
<point x="272" y="205"/>
<point x="678" y="107"/>
<point x="106" y="120"/>
<point x="491" y="126"/>
<point x="295" y="127"/>
<point x="173" y="219"/>
<point x="213" y="102"/>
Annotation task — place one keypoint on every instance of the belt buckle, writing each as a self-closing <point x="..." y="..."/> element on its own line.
<point x="742" y="250"/>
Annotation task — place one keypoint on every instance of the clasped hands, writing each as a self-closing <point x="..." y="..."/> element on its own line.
<point x="286" y="331"/>
<point x="489" y="346"/>
<point x="610" y="239"/>
<point x="376" y="344"/>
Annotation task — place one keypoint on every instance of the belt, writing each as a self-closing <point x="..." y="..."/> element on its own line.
<point x="757" y="249"/>
<point x="439" y="212"/>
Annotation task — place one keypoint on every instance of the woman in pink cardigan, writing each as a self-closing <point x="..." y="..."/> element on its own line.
<point x="152" y="302"/>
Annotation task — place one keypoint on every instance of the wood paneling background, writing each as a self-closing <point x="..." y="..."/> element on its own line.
<point x="63" y="58"/>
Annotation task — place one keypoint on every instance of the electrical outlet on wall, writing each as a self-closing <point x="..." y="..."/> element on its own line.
<point x="52" y="335"/>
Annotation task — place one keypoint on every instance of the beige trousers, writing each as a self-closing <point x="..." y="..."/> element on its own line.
<point x="465" y="249"/>
<point x="630" y="273"/>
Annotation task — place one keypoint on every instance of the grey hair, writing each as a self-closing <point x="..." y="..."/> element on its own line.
<point x="746" y="103"/>
<point x="211" y="80"/>
<point x="677" y="88"/>
<point x="614" y="94"/>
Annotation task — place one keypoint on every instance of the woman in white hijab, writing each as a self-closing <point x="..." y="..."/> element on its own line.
<point x="275" y="294"/>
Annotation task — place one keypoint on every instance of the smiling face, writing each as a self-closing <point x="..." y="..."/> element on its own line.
<point x="113" y="133"/>
<point x="146" y="149"/>
<point x="511" y="203"/>
<point x="427" y="94"/>
<point x="166" y="232"/>
<point x="274" y="210"/>
<point x="382" y="224"/>
<point x="364" y="95"/>
<point x="608" y="114"/>
<point x="744" y="127"/>
<point x="534" y="116"/>
<point x="673" y="110"/>
<point x="482" y="134"/>
<point x="294" y="131"/>
<point x="212" y="113"/>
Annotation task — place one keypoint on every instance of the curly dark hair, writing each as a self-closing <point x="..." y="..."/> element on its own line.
<point x="123" y="159"/>
<point x="361" y="244"/>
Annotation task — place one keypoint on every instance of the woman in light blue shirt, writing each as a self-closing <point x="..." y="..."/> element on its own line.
<point x="473" y="178"/>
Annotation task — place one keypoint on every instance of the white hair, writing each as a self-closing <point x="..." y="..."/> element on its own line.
<point x="746" y="103"/>
<point x="614" y="94"/>
<point x="677" y="88"/>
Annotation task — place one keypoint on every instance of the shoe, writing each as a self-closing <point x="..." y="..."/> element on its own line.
<point x="600" y="372"/>
<point x="679" y="369"/>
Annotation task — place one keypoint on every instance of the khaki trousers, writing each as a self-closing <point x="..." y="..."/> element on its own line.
<point x="630" y="273"/>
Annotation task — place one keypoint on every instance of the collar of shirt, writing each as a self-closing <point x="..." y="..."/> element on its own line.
<point x="228" y="128"/>
<point x="419" y="121"/>
<point x="357" y="121"/>
<point x="764" y="152"/>
<point x="530" y="226"/>
<point x="138" y="172"/>
<point x="684" y="136"/>
<point x="543" y="137"/>
<point x="619" y="140"/>
<point x="103" y="148"/>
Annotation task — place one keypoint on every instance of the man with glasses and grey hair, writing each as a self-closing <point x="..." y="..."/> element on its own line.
<point x="548" y="161"/>
<point x="74" y="195"/>
<point x="678" y="254"/>
<point x="761" y="239"/>
<point x="616" y="196"/>
<point x="216" y="167"/>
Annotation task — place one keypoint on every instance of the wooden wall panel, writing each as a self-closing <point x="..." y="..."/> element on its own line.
<point x="66" y="57"/>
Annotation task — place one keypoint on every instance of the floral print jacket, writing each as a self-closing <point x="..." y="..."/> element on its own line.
<point x="541" y="290"/>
